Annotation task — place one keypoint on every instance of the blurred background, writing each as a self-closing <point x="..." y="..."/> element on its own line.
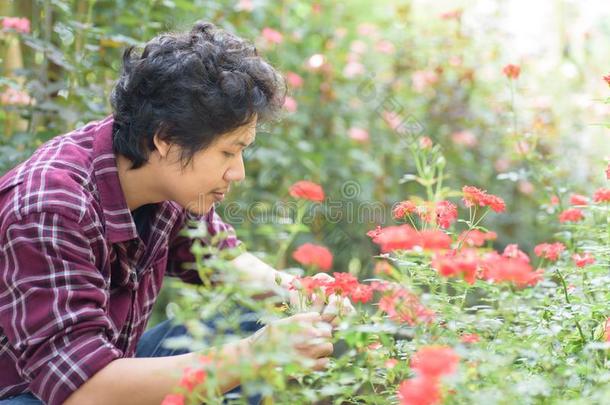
<point x="364" y="78"/>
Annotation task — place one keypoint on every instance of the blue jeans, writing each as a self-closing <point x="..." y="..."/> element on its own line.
<point x="151" y="345"/>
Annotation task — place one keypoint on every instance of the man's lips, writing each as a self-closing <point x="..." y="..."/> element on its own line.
<point x="219" y="195"/>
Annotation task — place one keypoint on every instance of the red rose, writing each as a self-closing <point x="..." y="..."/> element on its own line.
<point x="511" y="71"/>
<point x="583" y="260"/>
<point x="419" y="391"/>
<point x="474" y="196"/>
<point x="403" y="208"/>
<point x="405" y="237"/>
<point x="577" y="199"/>
<point x="601" y="195"/>
<point x="402" y="305"/>
<point x="470" y="338"/>
<point x="314" y="255"/>
<point x="442" y="213"/>
<point x="498" y="269"/>
<point x="434" y="361"/>
<point x="512" y="251"/>
<point x="571" y="215"/>
<point x="307" y="284"/>
<point x="307" y="190"/>
<point x="550" y="251"/>
<point x="453" y="264"/>
<point x="446" y="214"/>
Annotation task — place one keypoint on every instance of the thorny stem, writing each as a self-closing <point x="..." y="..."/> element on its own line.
<point x="464" y="297"/>
<point x="439" y="184"/>
<point x="565" y="294"/>
<point x="512" y="106"/>
<point x="411" y="220"/>
<point x="419" y="165"/>
<point x="472" y="226"/>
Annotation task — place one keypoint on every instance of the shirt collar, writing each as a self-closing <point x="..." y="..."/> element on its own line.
<point x="120" y="226"/>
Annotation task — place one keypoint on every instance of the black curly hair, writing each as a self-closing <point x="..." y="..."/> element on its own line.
<point x="191" y="88"/>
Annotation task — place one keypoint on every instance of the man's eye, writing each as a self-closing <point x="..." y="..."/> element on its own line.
<point x="229" y="154"/>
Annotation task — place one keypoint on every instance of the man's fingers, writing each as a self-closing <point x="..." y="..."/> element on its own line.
<point x="308" y="317"/>
<point x="348" y="308"/>
<point x="318" y="302"/>
<point x="304" y="343"/>
<point x="313" y="340"/>
<point x="321" y="364"/>
<point x="321" y="329"/>
<point x="324" y="350"/>
<point x="322" y="276"/>
<point x="324" y="330"/>
<point x="329" y="314"/>
<point x="313" y="337"/>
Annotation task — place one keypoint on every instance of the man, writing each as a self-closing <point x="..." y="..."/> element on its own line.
<point x="90" y="224"/>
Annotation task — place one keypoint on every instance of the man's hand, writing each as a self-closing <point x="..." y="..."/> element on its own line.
<point x="307" y="333"/>
<point x="256" y="272"/>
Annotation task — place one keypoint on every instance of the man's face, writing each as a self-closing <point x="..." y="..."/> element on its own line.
<point x="208" y="177"/>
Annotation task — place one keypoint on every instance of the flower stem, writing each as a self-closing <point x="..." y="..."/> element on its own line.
<point x="565" y="294"/>
<point x="464" y="297"/>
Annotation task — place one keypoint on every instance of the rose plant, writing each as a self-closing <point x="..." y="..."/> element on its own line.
<point x="446" y="318"/>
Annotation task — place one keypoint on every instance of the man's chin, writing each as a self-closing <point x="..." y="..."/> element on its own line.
<point x="198" y="209"/>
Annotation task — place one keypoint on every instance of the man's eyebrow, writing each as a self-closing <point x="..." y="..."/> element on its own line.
<point x="240" y="143"/>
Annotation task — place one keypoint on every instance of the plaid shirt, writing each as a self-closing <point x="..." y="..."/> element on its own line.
<point x="77" y="284"/>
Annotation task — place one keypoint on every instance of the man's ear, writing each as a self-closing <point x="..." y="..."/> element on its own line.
<point x="161" y="145"/>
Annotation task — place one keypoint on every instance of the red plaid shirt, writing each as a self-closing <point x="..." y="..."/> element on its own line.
<point x="77" y="284"/>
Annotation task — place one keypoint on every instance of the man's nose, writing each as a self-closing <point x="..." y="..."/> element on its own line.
<point x="237" y="171"/>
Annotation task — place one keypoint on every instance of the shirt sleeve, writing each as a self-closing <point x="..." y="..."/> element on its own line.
<point x="53" y="305"/>
<point x="180" y="260"/>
